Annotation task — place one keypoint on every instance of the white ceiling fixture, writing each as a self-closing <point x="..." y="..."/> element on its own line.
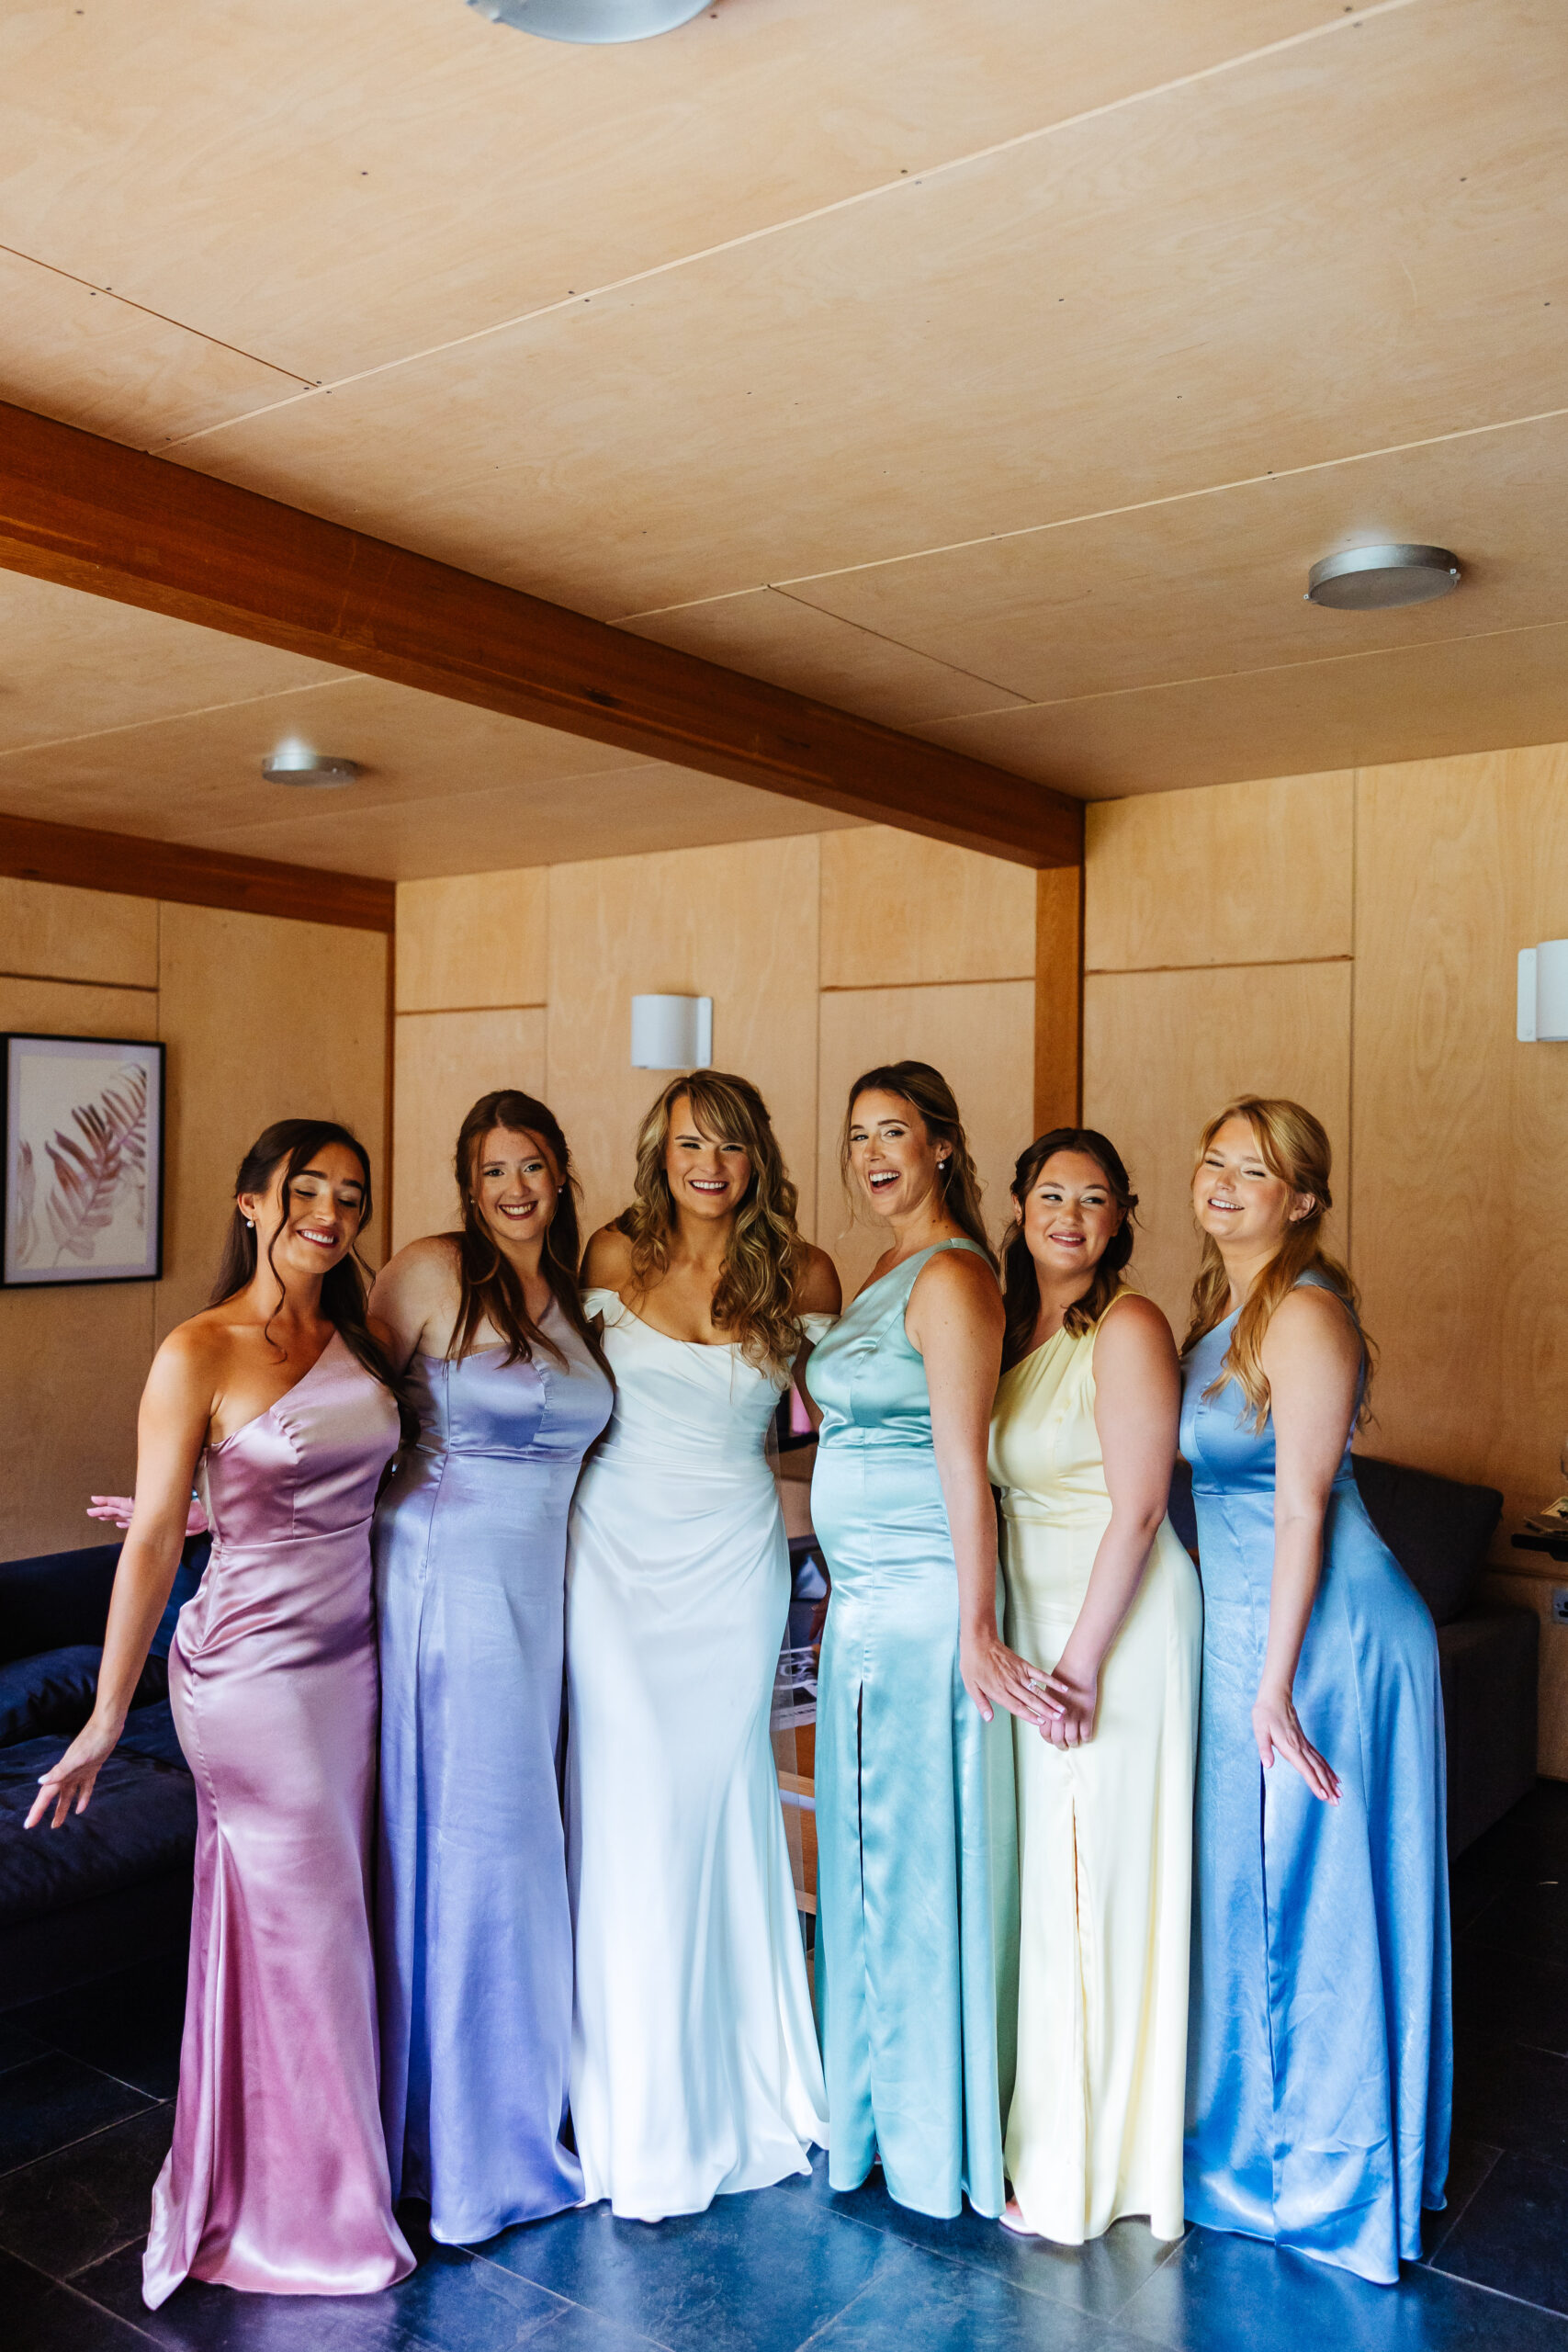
<point x="317" y="770"/>
<point x="591" y="20"/>
<point x="1373" y="580"/>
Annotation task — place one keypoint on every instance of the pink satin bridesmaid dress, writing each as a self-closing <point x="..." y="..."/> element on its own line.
<point x="278" y="2179"/>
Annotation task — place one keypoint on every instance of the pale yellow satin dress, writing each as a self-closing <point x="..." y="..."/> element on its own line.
<point x="1105" y="1831"/>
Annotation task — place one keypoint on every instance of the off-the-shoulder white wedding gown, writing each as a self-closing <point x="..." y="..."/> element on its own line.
<point x="694" y="2067"/>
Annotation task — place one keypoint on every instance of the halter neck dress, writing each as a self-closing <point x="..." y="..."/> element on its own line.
<point x="917" y="1928"/>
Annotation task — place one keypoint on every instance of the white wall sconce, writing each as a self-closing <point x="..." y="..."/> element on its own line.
<point x="1543" y="993"/>
<point x="671" y="1032"/>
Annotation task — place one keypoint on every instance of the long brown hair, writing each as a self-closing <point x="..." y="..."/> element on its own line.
<point x="755" y="1295"/>
<point x="1294" y="1147"/>
<point x="291" y="1145"/>
<point x="489" y="1288"/>
<point x="1021" y="1275"/>
<point x="926" y="1090"/>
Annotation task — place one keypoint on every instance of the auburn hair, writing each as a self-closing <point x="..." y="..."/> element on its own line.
<point x="1021" y="1275"/>
<point x="1294" y="1147"/>
<point x="489" y="1289"/>
<point x="928" y="1093"/>
<point x="760" y="1279"/>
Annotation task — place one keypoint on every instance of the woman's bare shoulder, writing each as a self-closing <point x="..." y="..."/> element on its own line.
<point x="959" y="1281"/>
<point x="1132" y="1334"/>
<point x="607" y="1260"/>
<point x="819" y="1291"/>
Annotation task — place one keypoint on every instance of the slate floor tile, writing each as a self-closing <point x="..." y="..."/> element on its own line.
<point x="39" y="2317"/>
<point x="1469" y="2161"/>
<point x="1512" y="2235"/>
<point x="1234" y="2294"/>
<point x="924" y="2304"/>
<point x="1511" y="2097"/>
<point x="755" y="2273"/>
<point x="1507" y="1997"/>
<point x="48" y="2102"/>
<point x="15" y="2043"/>
<point x="128" y="2025"/>
<point x="1528" y="1918"/>
<point x="73" y="2208"/>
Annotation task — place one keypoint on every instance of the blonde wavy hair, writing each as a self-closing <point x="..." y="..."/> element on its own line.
<point x="754" y="1299"/>
<point x="1293" y="1146"/>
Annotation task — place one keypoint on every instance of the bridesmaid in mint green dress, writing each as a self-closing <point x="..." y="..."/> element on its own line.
<point x="917" y="1933"/>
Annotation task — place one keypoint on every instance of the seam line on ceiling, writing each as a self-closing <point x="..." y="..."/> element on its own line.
<point x="127" y="303"/>
<point x="1332" y="25"/>
<point x="173" y="717"/>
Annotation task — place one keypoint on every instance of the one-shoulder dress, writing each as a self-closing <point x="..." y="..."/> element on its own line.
<point x="694" y="2064"/>
<point x="473" y="1925"/>
<point x="917" y="1865"/>
<point x="276" y="2180"/>
<point x="1321" y="2055"/>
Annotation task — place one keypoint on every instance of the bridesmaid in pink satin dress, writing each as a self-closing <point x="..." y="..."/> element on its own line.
<point x="278" y="2179"/>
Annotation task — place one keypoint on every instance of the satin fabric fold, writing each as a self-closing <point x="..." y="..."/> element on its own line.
<point x="474" y="1929"/>
<point x="1321" y="2059"/>
<point x="916" y="1866"/>
<point x="276" y="2181"/>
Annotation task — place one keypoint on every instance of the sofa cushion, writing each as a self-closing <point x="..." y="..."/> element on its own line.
<point x="50" y="1692"/>
<point x="1438" y="1530"/>
<point x="60" y="1598"/>
<point x="151" y="1732"/>
<point x="140" y="1824"/>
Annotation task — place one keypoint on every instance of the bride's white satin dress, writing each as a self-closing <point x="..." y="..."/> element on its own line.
<point x="694" y="2067"/>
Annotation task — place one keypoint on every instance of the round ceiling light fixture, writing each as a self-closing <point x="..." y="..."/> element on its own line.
<point x="1373" y="580"/>
<point x="317" y="770"/>
<point x="591" y="20"/>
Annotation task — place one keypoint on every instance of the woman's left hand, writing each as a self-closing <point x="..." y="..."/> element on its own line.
<point x="1078" y="1701"/>
<point x="996" y="1677"/>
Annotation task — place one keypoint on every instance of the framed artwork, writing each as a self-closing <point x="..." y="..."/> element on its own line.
<point x="82" y="1171"/>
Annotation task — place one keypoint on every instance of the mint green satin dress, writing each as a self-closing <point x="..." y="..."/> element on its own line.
<point x="917" y="1856"/>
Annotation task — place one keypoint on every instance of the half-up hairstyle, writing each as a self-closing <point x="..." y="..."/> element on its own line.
<point x="1021" y="1275"/>
<point x="291" y="1145"/>
<point x="755" y="1295"/>
<point x="928" y="1093"/>
<point x="487" y="1283"/>
<point x="1293" y="1146"/>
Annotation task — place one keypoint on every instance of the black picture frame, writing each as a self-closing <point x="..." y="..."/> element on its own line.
<point x="103" y="1149"/>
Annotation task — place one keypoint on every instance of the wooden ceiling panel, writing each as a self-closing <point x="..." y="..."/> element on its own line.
<point x="337" y="187"/>
<point x="1465" y="693"/>
<point x="1346" y="246"/>
<point x="1217" y="584"/>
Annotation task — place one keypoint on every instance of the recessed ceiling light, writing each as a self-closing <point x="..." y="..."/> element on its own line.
<point x="317" y="770"/>
<point x="591" y="20"/>
<point x="1372" y="580"/>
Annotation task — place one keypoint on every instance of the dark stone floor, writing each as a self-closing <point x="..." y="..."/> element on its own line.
<point x="85" y="2084"/>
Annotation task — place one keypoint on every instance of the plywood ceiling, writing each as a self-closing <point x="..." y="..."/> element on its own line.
<point x="997" y="371"/>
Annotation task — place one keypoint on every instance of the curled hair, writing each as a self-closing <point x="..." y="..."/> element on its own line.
<point x="1293" y="1146"/>
<point x="291" y="1145"/>
<point x="928" y="1093"/>
<point x="489" y="1288"/>
<point x="754" y="1297"/>
<point x="1021" y="1275"/>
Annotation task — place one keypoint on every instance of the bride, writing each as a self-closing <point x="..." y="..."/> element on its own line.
<point x="695" y="2068"/>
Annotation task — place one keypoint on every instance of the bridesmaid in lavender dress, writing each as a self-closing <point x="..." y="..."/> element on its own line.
<point x="276" y="2181"/>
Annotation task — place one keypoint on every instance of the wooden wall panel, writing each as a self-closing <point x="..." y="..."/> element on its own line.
<point x="1058" y="998"/>
<point x="1462" y="1134"/>
<point x="473" y="939"/>
<point x="897" y="909"/>
<point x="1232" y="873"/>
<point x="1163" y="1051"/>
<point x="60" y="933"/>
<point x="265" y="1019"/>
<point x="981" y="1036"/>
<point x="445" y="1061"/>
<point x="737" y="923"/>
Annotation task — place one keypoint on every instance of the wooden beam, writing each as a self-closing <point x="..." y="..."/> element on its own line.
<point x="1058" y="999"/>
<point x="89" y="514"/>
<point x="34" y="852"/>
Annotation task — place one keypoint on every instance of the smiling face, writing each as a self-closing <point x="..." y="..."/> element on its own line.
<point x="1236" y="1196"/>
<point x="316" y="1228"/>
<point x="515" y="1186"/>
<point x="708" y="1178"/>
<point x="1070" y="1217"/>
<point x="893" y="1157"/>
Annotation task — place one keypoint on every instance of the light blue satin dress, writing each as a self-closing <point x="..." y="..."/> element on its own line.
<point x="917" y="1855"/>
<point x="474" y="1931"/>
<point x="1320" y="2067"/>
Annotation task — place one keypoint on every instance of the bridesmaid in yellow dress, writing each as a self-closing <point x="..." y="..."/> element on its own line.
<point x="1102" y="1597"/>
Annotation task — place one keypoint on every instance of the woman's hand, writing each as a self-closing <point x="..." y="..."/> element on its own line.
<point x="1077" y="1699"/>
<point x="996" y="1677"/>
<point x="118" y="1509"/>
<point x="68" y="1784"/>
<point x="1278" y="1731"/>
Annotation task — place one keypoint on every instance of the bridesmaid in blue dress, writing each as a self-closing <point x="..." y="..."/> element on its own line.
<point x="917" y="1937"/>
<point x="474" y="1929"/>
<point x="1320" y="2062"/>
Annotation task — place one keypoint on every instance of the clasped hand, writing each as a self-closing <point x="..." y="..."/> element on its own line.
<point x="996" y="1677"/>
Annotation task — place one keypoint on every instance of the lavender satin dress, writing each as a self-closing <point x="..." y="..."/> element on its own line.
<point x="276" y="2181"/>
<point x="474" y="1929"/>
